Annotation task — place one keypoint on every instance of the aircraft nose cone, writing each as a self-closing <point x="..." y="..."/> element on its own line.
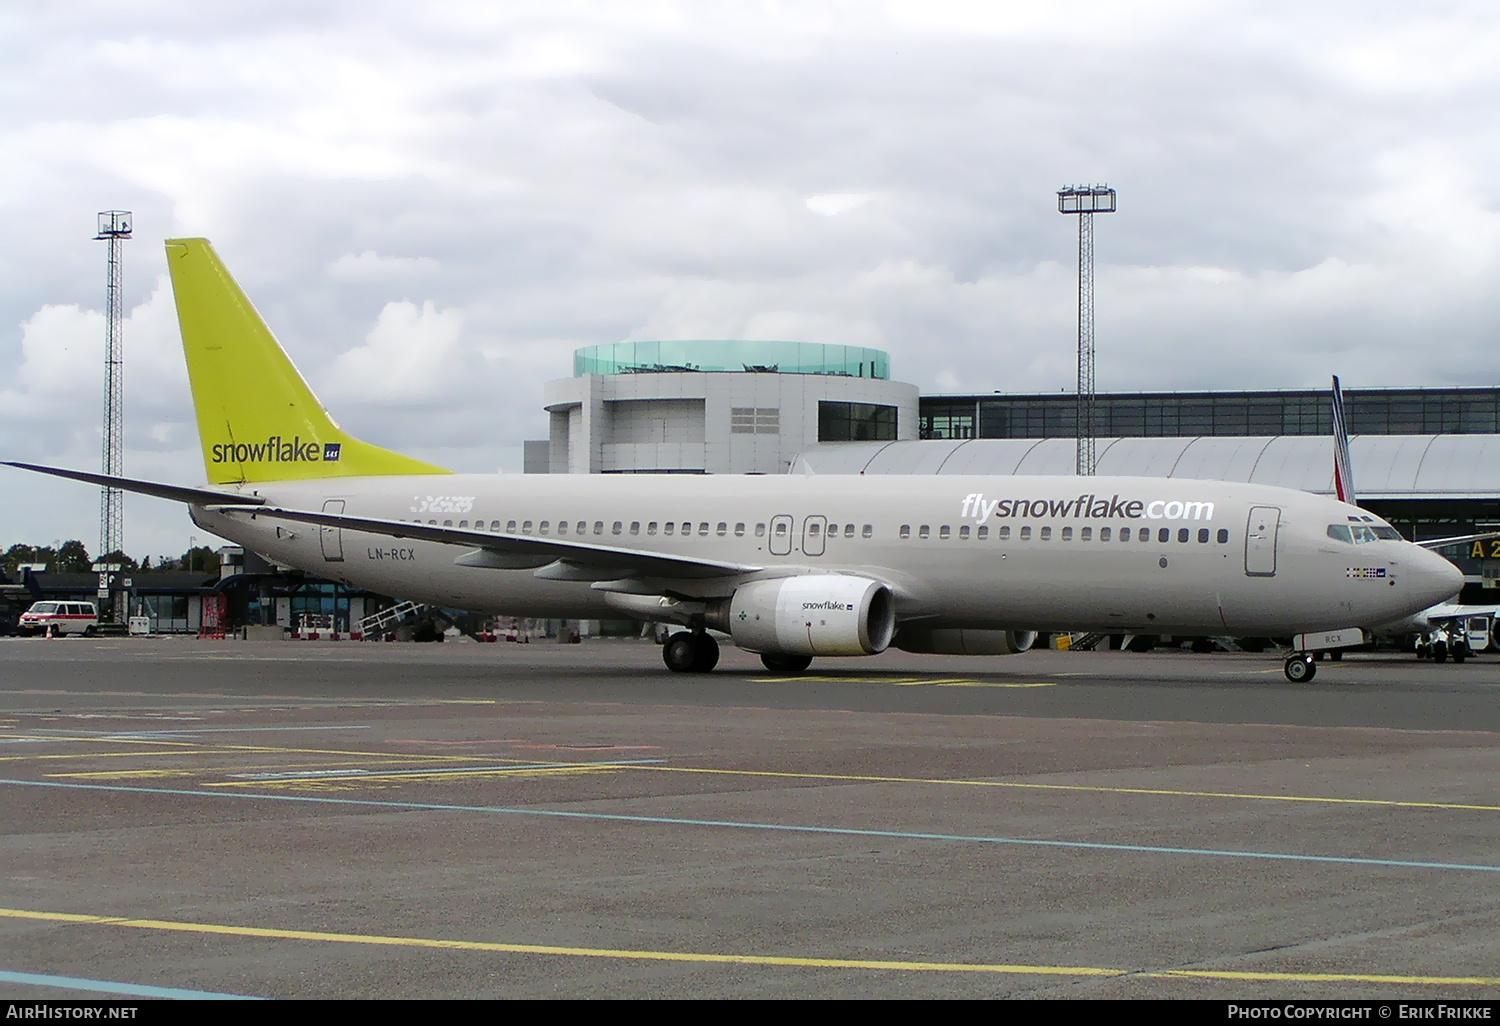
<point x="1436" y="579"/>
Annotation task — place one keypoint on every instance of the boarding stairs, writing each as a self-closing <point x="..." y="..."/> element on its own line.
<point x="376" y="625"/>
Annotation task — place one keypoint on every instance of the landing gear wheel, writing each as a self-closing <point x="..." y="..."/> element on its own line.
<point x="1459" y="653"/>
<point x="680" y="652"/>
<point x="707" y="653"/>
<point x="687" y="652"/>
<point x="1300" y="669"/>
<point x="1440" y="651"/>
<point x="785" y="663"/>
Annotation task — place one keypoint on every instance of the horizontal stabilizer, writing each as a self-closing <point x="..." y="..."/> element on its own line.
<point x="176" y="493"/>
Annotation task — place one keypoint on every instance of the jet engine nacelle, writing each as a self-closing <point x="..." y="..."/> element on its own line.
<point x="813" y="615"/>
<point x="962" y="641"/>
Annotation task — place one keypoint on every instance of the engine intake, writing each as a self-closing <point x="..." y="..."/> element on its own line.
<point x="816" y="614"/>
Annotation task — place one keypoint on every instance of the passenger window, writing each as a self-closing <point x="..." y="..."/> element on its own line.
<point x="1026" y="534"/>
<point x="944" y="531"/>
<point x="963" y="532"/>
<point x="562" y="527"/>
<point x="833" y="530"/>
<point x="780" y="528"/>
<point x="543" y="527"/>
<point x="494" y="525"/>
<point x="1124" y="534"/>
<point x="617" y="528"/>
<point x="760" y="530"/>
<point x="669" y="528"/>
<point x="1183" y="534"/>
<point x="687" y="528"/>
<point x="983" y="533"/>
<point x="635" y="527"/>
<point x="651" y="527"/>
<point x="869" y="531"/>
<point x="723" y="529"/>
<point x="1223" y="536"/>
<point x="526" y="527"/>
<point x="463" y="523"/>
<point x="1203" y="536"/>
<point x="812" y="529"/>
<point x="1164" y="535"/>
<point x="739" y="530"/>
<point x="432" y="523"/>
<point x="1145" y="534"/>
<point x="1004" y="532"/>
<point x="848" y="530"/>
<point x="1103" y="533"/>
<point x="1067" y="534"/>
<point x="598" y="527"/>
<point x="510" y="528"/>
<point x="1046" y="534"/>
<point x="924" y="531"/>
<point x="1087" y="534"/>
<point x="703" y="529"/>
<point x="447" y="523"/>
<point x="905" y="530"/>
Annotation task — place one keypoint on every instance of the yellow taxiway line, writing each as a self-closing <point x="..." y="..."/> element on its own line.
<point x="728" y="958"/>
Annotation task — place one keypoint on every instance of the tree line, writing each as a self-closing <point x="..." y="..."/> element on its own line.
<point x="72" y="557"/>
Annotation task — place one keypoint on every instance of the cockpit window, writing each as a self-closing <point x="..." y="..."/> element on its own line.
<point x="1360" y="534"/>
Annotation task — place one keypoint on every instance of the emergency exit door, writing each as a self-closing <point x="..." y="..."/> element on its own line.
<point x="332" y="537"/>
<point x="1260" y="541"/>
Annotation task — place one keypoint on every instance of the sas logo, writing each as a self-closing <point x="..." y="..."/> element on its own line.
<point x="332" y="451"/>
<point x="1365" y="572"/>
<point x="442" y="503"/>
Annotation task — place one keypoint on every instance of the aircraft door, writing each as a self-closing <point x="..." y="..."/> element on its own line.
<point x="332" y="537"/>
<point x="1260" y="541"/>
<point x="780" y="542"/>
<point x="813" y="530"/>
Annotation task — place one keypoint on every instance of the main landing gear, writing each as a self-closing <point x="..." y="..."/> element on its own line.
<point x="690" y="652"/>
<point x="785" y="663"/>
<point x="1300" y="667"/>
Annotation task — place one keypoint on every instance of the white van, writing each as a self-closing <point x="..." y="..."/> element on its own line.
<point x="61" y="618"/>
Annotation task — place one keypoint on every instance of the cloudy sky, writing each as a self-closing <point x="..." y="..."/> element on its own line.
<point x="433" y="204"/>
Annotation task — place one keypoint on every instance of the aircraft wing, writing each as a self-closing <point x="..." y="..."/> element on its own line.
<point x="177" y="493"/>
<point x="517" y="552"/>
<point x="1462" y="539"/>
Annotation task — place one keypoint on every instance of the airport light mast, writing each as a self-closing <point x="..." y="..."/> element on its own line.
<point x="1086" y="201"/>
<point x="114" y="228"/>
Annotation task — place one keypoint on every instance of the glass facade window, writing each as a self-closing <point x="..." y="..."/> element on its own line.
<point x="734" y="355"/>
<point x="856" y="422"/>
<point x="1393" y="411"/>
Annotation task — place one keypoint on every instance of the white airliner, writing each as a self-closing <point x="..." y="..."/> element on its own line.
<point x="789" y="567"/>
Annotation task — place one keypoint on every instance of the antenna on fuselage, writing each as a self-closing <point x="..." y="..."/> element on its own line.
<point x="1343" y="473"/>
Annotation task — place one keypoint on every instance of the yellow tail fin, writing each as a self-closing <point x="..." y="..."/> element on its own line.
<point x="257" y="419"/>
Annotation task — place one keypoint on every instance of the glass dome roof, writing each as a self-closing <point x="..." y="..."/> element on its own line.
<point x="738" y="356"/>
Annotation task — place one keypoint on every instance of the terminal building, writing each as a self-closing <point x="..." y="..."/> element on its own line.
<point x="716" y="407"/>
<point x="1425" y="459"/>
